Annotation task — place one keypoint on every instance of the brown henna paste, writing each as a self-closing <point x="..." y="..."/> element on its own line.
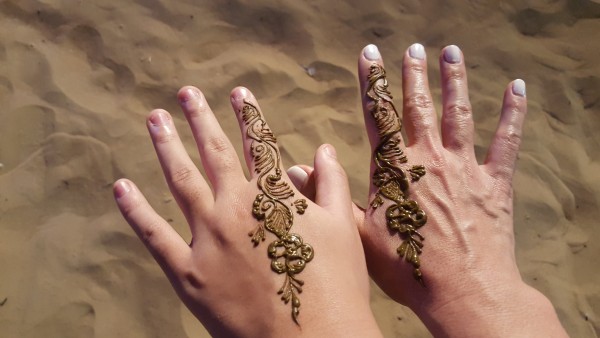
<point x="404" y="216"/>
<point x="288" y="253"/>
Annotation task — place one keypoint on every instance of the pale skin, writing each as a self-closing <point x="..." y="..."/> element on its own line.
<point x="224" y="280"/>
<point x="473" y="285"/>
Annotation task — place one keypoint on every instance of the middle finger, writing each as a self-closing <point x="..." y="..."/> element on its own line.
<point x="185" y="181"/>
<point x="419" y="113"/>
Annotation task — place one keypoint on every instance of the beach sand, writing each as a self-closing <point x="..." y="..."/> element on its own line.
<point x="77" y="79"/>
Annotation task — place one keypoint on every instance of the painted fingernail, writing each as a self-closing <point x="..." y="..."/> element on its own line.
<point x="452" y="54"/>
<point x="298" y="176"/>
<point x="188" y="94"/>
<point x="371" y="52"/>
<point x="159" y="118"/>
<point x="121" y="188"/>
<point x="330" y="151"/>
<point x="239" y="95"/>
<point x="417" y="51"/>
<point x="518" y="87"/>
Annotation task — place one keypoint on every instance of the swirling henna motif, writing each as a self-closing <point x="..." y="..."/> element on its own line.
<point x="404" y="215"/>
<point x="288" y="253"/>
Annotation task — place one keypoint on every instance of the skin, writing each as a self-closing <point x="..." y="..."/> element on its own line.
<point x="225" y="281"/>
<point x="473" y="285"/>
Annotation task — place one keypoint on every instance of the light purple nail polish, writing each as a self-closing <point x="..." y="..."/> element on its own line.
<point x="371" y="52"/>
<point x="518" y="87"/>
<point x="452" y="54"/>
<point x="417" y="51"/>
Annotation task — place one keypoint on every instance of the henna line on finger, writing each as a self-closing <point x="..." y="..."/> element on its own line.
<point x="288" y="253"/>
<point x="404" y="216"/>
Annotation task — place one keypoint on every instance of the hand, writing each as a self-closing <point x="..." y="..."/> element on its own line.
<point x="226" y="278"/>
<point x="442" y="243"/>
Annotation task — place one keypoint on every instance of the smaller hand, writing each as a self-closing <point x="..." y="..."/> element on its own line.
<point x="311" y="252"/>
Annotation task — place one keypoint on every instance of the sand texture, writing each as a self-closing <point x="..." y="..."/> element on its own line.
<point x="77" y="79"/>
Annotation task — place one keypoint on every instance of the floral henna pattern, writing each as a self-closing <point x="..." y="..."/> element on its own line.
<point x="404" y="216"/>
<point x="288" y="253"/>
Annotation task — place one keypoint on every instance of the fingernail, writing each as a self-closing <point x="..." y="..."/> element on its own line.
<point x="452" y="54"/>
<point x="518" y="87"/>
<point x="159" y="118"/>
<point x="122" y="187"/>
<point x="188" y="94"/>
<point x="298" y="176"/>
<point x="417" y="51"/>
<point x="239" y="95"/>
<point x="371" y="52"/>
<point x="330" y="151"/>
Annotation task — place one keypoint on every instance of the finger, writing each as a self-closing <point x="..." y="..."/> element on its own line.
<point x="303" y="179"/>
<point x="219" y="159"/>
<point x="189" y="188"/>
<point x="457" y="117"/>
<point x="502" y="154"/>
<point x="419" y="114"/>
<point x="381" y="116"/>
<point x="331" y="181"/>
<point x="260" y="145"/>
<point x="164" y="243"/>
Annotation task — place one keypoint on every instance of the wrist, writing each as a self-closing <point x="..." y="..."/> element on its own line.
<point x="504" y="310"/>
<point x="356" y="321"/>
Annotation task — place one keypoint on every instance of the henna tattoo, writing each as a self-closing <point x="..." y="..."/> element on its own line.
<point x="288" y="253"/>
<point x="404" y="216"/>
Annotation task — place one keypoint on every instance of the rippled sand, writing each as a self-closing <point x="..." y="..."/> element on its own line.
<point x="77" y="80"/>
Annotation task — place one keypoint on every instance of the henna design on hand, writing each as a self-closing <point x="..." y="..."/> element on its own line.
<point x="404" y="215"/>
<point x="288" y="253"/>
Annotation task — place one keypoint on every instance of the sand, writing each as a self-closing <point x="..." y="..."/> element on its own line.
<point x="77" y="79"/>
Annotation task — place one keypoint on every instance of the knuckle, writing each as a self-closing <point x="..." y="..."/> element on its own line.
<point x="182" y="175"/>
<point x="513" y="138"/>
<point x="454" y="74"/>
<point x="459" y="111"/>
<point x="217" y="145"/>
<point x="148" y="233"/>
<point x="416" y="68"/>
<point x="418" y="101"/>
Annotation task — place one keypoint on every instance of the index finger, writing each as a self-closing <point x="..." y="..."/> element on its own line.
<point x="381" y="116"/>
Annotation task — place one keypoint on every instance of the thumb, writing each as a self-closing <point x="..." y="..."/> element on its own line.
<point x="303" y="178"/>
<point x="331" y="182"/>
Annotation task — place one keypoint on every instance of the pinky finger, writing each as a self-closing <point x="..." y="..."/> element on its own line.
<point x="166" y="246"/>
<point x="502" y="155"/>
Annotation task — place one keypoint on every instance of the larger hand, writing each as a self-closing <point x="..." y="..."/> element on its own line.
<point x="438" y="233"/>
<point x="451" y="229"/>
